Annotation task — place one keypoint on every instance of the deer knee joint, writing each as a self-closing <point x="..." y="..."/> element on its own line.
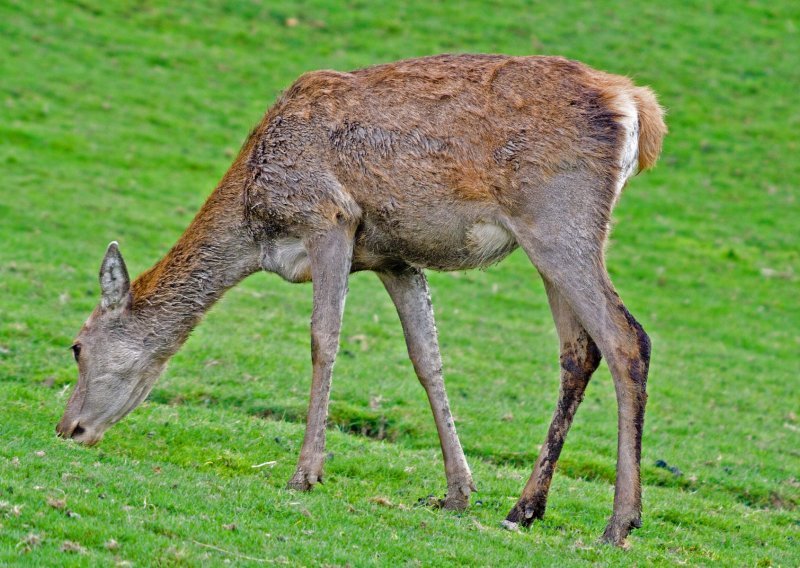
<point x="428" y="369"/>
<point x="323" y="350"/>
<point x="593" y="357"/>
<point x="580" y="359"/>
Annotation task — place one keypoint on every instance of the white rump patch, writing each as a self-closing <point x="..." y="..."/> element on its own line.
<point x="489" y="243"/>
<point x="629" y="157"/>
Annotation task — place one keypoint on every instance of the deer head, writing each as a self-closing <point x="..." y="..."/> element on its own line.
<point x="116" y="370"/>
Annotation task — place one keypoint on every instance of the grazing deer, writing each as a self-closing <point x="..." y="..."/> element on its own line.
<point x="447" y="163"/>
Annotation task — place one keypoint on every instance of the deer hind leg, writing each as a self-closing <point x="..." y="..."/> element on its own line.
<point x="330" y="255"/>
<point x="579" y="359"/>
<point x="565" y="239"/>
<point x="408" y="289"/>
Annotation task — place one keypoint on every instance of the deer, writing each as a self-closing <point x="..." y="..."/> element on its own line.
<point x="443" y="163"/>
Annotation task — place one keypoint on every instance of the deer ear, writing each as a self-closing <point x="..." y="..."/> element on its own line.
<point x="114" y="280"/>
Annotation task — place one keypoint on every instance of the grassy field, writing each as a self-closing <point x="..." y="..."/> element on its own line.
<point x="118" y="118"/>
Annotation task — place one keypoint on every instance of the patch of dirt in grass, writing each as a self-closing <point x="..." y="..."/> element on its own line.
<point x="72" y="547"/>
<point x="31" y="541"/>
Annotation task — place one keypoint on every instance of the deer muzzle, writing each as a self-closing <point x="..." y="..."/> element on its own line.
<point x="70" y="427"/>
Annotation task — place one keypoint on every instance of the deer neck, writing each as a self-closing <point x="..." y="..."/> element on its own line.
<point x="215" y="253"/>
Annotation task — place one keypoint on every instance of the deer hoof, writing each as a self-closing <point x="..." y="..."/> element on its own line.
<point x="454" y="502"/>
<point x="525" y="512"/>
<point x="619" y="528"/>
<point x="458" y="493"/>
<point x="303" y="481"/>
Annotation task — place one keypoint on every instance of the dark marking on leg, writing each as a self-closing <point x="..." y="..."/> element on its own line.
<point x="579" y="359"/>
<point x="633" y="363"/>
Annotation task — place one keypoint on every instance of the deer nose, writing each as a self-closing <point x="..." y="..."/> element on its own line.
<point x="69" y="429"/>
<point x="81" y="434"/>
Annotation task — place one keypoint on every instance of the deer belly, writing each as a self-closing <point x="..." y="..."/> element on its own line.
<point x="481" y="244"/>
<point x="439" y="246"/>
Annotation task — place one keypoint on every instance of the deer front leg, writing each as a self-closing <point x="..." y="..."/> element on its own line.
<point x="330" y="255"/>
<point x="408" y="289"/>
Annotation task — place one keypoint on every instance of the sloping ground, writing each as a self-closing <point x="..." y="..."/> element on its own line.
<point x="116" y="120"/>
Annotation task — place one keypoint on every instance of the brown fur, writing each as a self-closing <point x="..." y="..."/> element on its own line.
<point x="447" y="162"/>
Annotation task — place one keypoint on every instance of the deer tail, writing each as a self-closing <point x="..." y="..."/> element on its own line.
<point x="652" y="128"/>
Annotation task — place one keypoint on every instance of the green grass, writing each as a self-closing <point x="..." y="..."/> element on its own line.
<point x="117" y="119"/>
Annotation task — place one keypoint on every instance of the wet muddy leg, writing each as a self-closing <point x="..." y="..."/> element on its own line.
<point x="579" y="359"/>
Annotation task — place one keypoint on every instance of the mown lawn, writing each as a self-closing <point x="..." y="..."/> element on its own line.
<point x="118" y="118"/>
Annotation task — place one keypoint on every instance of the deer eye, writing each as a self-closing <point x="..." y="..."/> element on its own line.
<point x="76" y="351"/>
